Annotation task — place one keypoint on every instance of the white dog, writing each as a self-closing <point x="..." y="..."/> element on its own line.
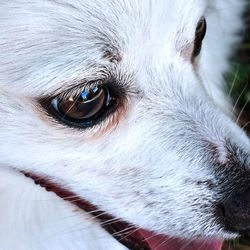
<point x="118" y="107"/>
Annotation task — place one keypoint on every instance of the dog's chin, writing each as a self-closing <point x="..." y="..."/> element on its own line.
<point x="131" y="236"/>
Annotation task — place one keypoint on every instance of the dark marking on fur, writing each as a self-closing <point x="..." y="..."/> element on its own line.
<point x="112" y="54"/>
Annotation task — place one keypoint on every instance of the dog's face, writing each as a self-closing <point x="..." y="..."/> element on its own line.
<point x="121" y="102"/>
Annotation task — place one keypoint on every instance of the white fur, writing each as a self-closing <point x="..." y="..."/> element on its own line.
<point x="144" y="170"/>
<point x="32" y="218"/>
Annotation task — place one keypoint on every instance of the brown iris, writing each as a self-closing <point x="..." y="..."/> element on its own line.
<point x="88" y="105"/>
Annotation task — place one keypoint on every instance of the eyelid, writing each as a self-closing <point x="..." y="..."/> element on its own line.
<point x="119" y="87"/>
<point x="75" y="92"/>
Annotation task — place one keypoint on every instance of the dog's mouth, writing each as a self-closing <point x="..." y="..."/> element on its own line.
<point x="167" y="243"/>
<point x="132" y="237"/>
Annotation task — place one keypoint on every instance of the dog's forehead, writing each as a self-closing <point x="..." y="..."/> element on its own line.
<point x="46" y="45"/>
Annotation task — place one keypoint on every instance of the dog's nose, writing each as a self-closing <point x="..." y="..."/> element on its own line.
<point x="237" y="213"/>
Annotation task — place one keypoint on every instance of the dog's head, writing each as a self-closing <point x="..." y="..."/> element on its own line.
<point x="121" y="102"/>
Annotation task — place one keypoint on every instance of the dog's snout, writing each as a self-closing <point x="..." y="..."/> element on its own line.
<point x="236" y="212"/>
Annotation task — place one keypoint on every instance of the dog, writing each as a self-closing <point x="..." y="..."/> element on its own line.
<point x="116" y="129"/>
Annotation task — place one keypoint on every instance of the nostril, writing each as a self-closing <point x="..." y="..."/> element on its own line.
<point x="236" y="212"/>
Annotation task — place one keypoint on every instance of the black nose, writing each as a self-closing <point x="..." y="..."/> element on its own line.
<point x="237" y="213"/>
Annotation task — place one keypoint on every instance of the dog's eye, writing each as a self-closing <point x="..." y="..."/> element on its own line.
<point x="199" y="36"/>
<point x="84" y="110"/>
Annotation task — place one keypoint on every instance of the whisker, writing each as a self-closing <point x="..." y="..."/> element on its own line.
<point x="77" y="214"/>
<point x="245" y="125"/>
<point x="234" y="80"/>
<point x="187" y="244"/>
<point x="238" y="99"/>
<point x="124" y="231"/>
<point x="203" y="243"/>
<point x="162" y="243"/>
<point x="111" y="221"/>
<point x="73" y="104"/>
<point x="152" y="236"/>
<point x="242" y="110"/>
<point x="128" y="234"/>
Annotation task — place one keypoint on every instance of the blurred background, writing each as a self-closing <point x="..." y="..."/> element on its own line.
<point x="239" y="89"/>
<point x="238" y="79"/>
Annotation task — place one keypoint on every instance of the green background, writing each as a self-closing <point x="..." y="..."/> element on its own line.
<point x="239" y="88"/>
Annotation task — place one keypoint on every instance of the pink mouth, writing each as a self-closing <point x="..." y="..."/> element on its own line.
<point x="135" y="238"/>
<point x="167" y="243"/>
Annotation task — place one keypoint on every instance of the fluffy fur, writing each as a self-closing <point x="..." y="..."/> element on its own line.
<point x="162" y="163"/>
